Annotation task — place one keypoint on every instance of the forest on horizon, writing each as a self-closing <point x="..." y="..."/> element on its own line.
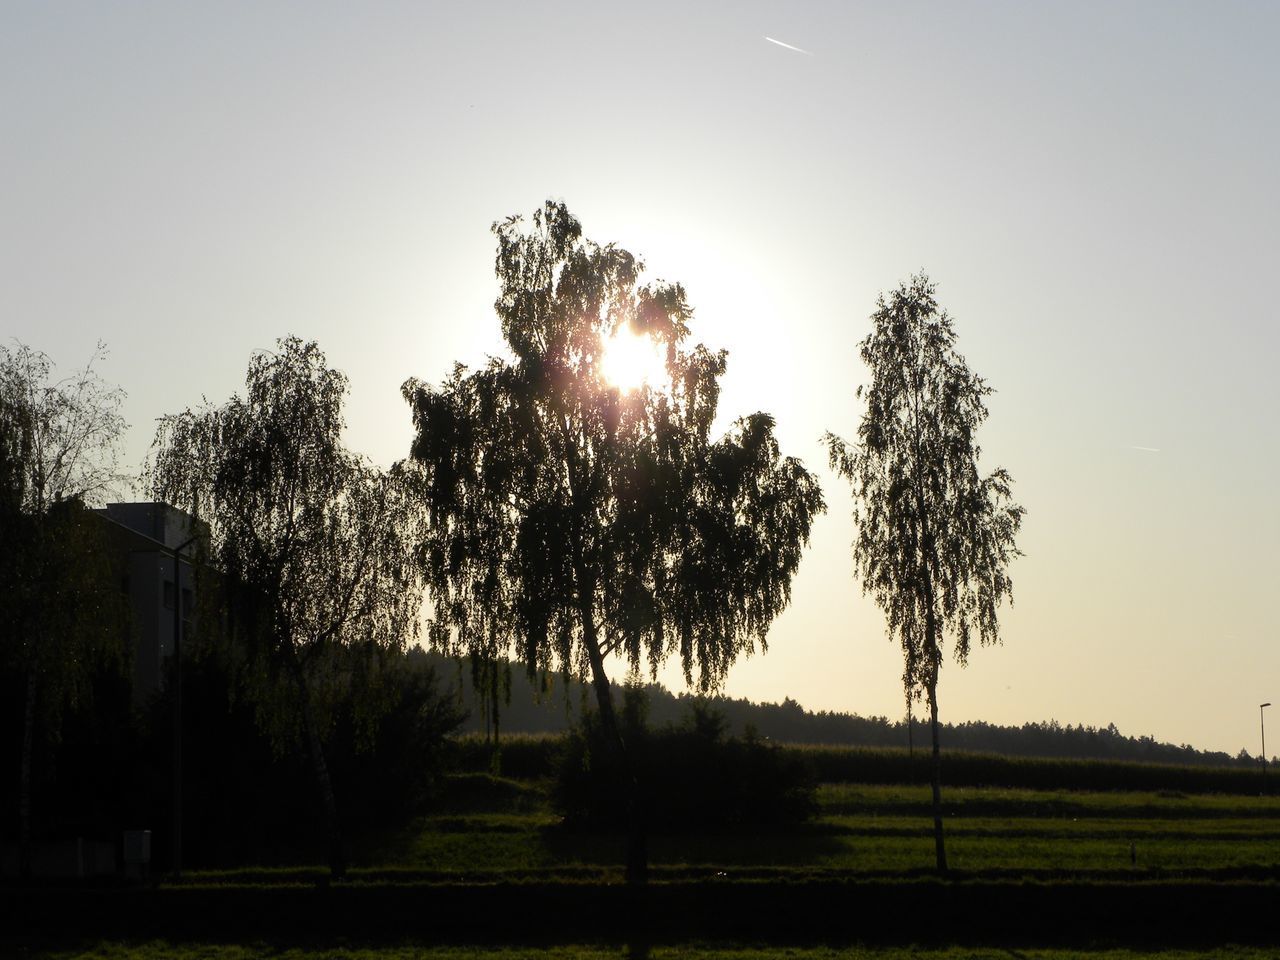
<point x="552" y="705"/>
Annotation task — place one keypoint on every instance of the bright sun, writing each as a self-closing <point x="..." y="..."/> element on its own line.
<point x="631" y="361"/>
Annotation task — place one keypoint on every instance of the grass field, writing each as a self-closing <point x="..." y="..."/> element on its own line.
<point x="498" y="829"/>
<point x="493" y="827"/>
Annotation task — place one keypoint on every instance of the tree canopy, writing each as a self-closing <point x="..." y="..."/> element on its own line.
<point x="572" y="519"/>
<point x="313" y="546"/>
<point x="60" y="615"/>
<point x="934" y="537"/>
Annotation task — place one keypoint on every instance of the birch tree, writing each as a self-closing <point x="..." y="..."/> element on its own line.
<point x="60" y="613"/>
<point x="313" y="546"/>
<point x="934" y="537"/>
<point x="572" y="519"/>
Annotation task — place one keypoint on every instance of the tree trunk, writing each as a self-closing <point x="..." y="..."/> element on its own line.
<point x="328" y="800"/>
<point x="936" y="774"/>
<point x="637" y="874"/>
<point x="911" y="746"/>
<point x="495" y="759"/>
<point x="637" y="832"/>
<point x="934" y="653"/>
<point x="24" y="776"/>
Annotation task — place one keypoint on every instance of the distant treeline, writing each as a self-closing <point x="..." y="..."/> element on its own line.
<point x="552" y="705"/>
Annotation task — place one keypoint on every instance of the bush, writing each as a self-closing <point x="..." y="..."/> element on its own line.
<point x="246" y="803"/>
<point x="691" y="777"/>
<point x="524" y="756"/>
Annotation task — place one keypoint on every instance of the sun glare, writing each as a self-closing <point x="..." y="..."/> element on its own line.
<point x="631" y="361"/>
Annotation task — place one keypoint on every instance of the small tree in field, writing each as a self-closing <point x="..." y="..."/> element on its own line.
<point x="934" y="537"/>
<point x="313" y="545"/>
<point x="60" y="612"/>
<point x="571" y="518"/>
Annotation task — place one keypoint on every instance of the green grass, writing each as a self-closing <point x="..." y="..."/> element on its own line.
<point x="493" y="828"/>
<point x="501" y="827"/>
<point x="497" y="828"/>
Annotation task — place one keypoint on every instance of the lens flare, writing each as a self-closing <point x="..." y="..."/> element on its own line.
<point x="629" y="361"/>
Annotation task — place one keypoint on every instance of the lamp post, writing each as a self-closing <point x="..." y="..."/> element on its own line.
<point x="1262" y="722"/>
<point x="177" y="705"/>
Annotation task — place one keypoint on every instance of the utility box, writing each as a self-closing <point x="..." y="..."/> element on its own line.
<point x="137" y="853"/>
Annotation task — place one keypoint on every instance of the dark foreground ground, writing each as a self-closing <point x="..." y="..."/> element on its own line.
<point x="975" y="914"/>
<point x="1173" y="870"/>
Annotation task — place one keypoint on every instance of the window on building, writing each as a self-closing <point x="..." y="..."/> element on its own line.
<point x="168" y="594"/>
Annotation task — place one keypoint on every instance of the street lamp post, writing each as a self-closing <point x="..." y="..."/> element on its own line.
<point x="177" y="705"/>
<point x="1263" y="724"/>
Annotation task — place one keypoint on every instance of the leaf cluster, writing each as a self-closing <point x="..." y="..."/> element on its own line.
<point x="568" y="515"/>
<point x="310" y="546"/>
<point x="61" y="616"/>
<point x="695" y="777"/>
<point x="934" y="536"/>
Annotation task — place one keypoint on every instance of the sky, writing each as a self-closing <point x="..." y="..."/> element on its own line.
<point x="1091" y="185"/>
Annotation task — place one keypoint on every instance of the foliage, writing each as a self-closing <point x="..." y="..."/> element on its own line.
<point x="934" y="537"/>
<point x="313" y="546"/>
<point x="255" y="805"/>
<point x="60" y="619"/>
<point x="544" y="705"/>
<point x="571" y="519"/>
<point x="695" y="777"/>
<point x="59" y="439"/>
<point x="61" y="616"/>
<point x="526" y="756"/>
<point x="541" y="756"/>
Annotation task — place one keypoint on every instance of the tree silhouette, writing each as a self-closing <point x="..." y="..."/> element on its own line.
<point x="60" y="612"/>
<point x="313" y="546"/>
<point x="572" y="519"/>
<point x="934" y="537"/>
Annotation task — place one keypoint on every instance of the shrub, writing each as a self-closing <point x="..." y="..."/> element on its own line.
<point x="246" y="803"/>
<point x="524" y="756"/>
<point x="691" y="777"/>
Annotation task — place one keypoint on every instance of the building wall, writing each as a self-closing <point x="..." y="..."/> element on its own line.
<point x="160" y="522"/>
<point x="144" y="536"/>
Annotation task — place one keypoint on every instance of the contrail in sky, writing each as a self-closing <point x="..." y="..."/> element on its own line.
<point x="789" y="46"/>
<point x="1146" y="449"/>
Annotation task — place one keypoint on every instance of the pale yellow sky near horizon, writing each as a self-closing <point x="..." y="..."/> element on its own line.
<point x="1091" y="185"/>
